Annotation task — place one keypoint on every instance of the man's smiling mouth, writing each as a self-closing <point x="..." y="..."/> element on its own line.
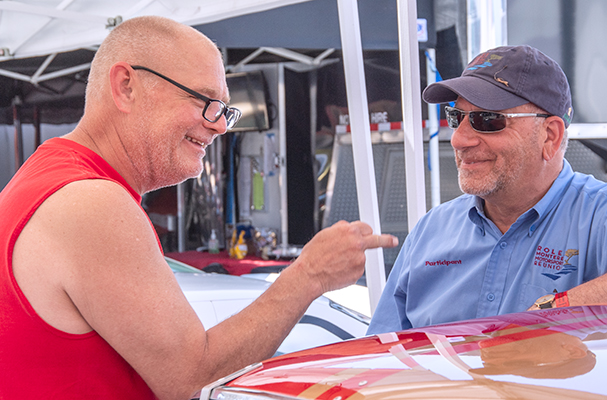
<point x="203" y="145"/>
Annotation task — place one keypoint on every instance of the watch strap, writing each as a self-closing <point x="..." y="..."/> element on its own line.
<point x="561" y="300"/>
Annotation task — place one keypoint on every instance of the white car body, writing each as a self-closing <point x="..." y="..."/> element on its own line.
<point x="216" y="297"/>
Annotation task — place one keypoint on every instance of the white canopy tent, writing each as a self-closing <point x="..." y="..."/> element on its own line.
<point x="33" y="28"/>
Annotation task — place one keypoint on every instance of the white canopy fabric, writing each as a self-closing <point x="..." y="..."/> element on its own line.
<point x="32" y="28"/>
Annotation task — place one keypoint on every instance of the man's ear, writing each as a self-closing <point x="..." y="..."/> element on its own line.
<point x="555" y="131"/>
<point x="121" y="86"/>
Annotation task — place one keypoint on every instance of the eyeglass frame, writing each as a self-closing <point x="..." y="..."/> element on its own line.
<point x="236" y="112"/>
<point x="448" y="109"/>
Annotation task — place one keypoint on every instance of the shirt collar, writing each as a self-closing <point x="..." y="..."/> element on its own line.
<point x="477" y="213"/>
<point x="554" y="194"/>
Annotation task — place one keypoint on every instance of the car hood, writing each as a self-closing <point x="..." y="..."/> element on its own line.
<point x="213" y="287"/>
<point x="561" y="353"/>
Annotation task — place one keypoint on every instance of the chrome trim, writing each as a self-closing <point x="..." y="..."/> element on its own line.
<point x="251" y="392"/>
<point x="205" y="393"/>
<point x="349" y="312"/>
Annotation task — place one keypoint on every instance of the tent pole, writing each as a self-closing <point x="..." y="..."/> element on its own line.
<point x="181" y="210"/>
<point x="313" y="75"/>
<point x="412" y="111"/>
<point x="282" y="178"/>
<point x="37" y="132"/>
<point x="433" y="128"/>
<point x="358" y="110"/>
<point x="18" y="133"/>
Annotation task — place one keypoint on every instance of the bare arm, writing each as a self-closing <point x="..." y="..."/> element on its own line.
<point x="97" y="266"/>
<point x="589" y="293"/>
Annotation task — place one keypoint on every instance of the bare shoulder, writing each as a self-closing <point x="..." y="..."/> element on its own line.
<point x="87" y="233"/>
<point x="92" y="201"/>
<point x="88" y="219"/>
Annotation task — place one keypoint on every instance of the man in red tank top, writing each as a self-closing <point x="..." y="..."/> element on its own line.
<point x="90" y="309"/>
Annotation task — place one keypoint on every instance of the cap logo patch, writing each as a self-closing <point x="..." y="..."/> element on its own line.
<point x="483" y="61"/>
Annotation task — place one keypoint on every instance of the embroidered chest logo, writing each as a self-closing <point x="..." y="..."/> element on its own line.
<point x="554" y="263"/>
<point x="445" y="263"/>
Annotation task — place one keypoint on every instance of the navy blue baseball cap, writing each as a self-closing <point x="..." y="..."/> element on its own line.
<point x="507" y="77"/>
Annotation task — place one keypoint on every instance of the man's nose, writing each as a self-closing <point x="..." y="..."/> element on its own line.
<point x="219" y="127"/>
<point x="464" y="136"/>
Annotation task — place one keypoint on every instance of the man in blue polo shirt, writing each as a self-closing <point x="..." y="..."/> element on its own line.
<point x="529" y="232"/>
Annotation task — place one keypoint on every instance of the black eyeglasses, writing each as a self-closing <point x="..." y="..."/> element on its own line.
<point x="484" y="121"/>
<point x="213" y="109"/>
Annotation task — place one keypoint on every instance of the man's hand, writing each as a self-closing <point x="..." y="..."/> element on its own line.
<point x="335" y="257"/>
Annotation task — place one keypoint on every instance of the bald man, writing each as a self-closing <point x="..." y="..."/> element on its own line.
<point x="89" y="306"/>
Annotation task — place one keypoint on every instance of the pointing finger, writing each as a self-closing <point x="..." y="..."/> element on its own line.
<point x="372" y="241"/>
<point x="385" y="240"/>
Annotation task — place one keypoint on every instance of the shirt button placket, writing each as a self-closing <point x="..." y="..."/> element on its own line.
<point x="495" y="278"/>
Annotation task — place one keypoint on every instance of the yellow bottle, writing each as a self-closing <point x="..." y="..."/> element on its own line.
<point x="238" y="249"/>
<point x="241" y="247"/>
<point x="233" y="245"/>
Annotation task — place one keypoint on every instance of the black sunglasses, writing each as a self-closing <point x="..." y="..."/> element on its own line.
<point x="484" y="121"/>
<point x="213" y="109"/>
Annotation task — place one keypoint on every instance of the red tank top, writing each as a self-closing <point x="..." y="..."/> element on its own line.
<point x="38" y="361"/>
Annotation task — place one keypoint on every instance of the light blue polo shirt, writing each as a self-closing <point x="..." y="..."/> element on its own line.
<point x="456" y="264"/>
